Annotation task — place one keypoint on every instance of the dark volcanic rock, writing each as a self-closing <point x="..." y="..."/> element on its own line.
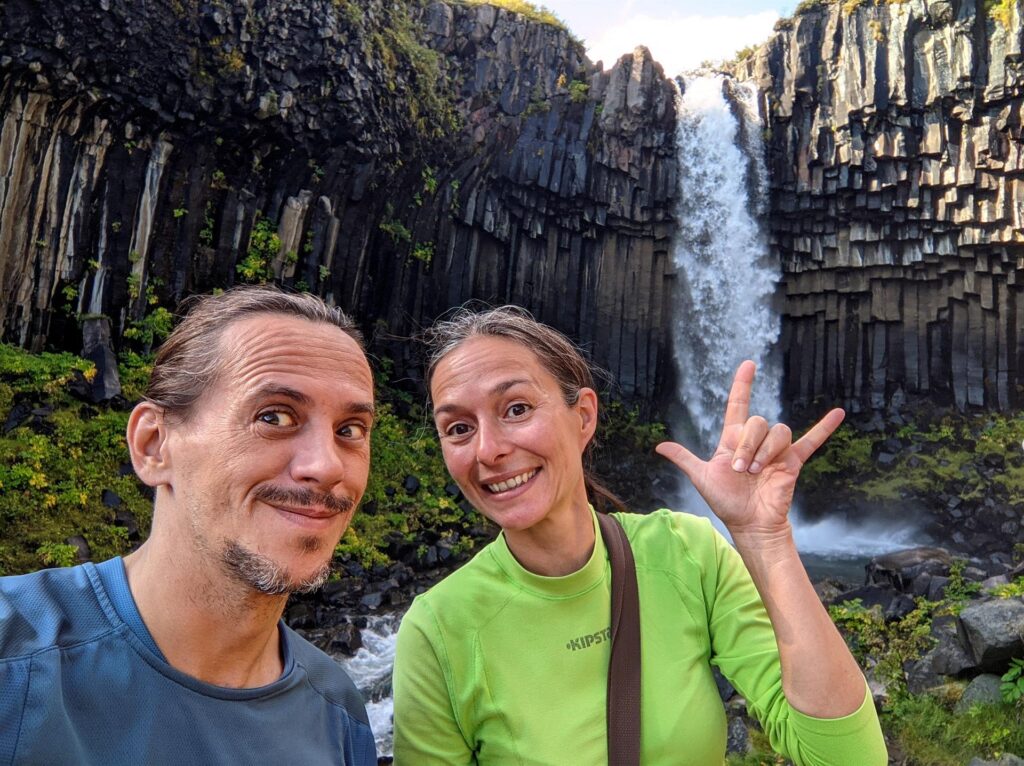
<point x="897" y="202"/>
<point x="476" y="154"/>
<point x="994" y="631"/>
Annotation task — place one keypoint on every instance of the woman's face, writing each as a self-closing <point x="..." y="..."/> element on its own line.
<point x="509" y="440"/>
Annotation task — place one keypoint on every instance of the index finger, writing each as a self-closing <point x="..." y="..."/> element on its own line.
<point x="818" y="434"/>
<point x="738" y="407"/>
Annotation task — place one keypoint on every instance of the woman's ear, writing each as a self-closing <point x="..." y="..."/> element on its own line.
<point x="147" y="442"/>
<point x="586" y="406"/>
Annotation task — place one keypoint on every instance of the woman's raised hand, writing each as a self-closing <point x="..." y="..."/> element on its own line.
<point x="749" y="481"/>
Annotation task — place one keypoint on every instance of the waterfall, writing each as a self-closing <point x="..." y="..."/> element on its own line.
<point x="727" y="281"/>
<point x="727" y="275"/>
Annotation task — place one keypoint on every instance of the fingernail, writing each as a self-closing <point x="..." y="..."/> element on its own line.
<point x="739" y="465"/>
<point x="755" y="467"/>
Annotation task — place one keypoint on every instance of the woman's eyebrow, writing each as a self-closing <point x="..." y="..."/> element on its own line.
<point x="498" y="390"/>
<point x="506" y="385"/>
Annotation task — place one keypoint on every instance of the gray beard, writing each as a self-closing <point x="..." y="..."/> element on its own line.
<point x="264" y="575"/>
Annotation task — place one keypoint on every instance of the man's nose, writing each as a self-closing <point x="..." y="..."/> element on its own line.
<point x="318" y="457"/>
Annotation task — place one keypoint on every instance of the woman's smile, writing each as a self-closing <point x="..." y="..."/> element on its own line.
<point x="505" y="485"/>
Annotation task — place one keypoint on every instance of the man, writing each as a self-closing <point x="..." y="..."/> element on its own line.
<point x="254" y="433"/>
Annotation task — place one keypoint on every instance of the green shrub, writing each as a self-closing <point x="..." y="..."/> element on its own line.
<point x="1012" y="686"/>
<point x="578" y="91"/>
<point x="57" y="555"/>
<point x="264" y="245"/>
<point x="1013" y="589"/>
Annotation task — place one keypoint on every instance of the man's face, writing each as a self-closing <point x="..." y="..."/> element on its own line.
<point x="273" y="459"/>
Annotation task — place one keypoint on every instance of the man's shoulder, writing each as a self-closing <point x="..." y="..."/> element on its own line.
<point x="326" y="676"/>
<point x="50" y="608"/>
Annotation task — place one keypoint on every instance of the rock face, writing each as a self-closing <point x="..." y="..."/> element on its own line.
<point x="898" y="201"/>
<point x="396" y="158"/>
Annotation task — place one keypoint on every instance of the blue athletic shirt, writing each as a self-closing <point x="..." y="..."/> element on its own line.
<point x="83" y="682"/>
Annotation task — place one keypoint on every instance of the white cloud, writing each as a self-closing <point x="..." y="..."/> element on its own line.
<point x="680" y="43"/>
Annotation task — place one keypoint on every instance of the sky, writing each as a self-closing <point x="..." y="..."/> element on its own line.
<point x="681" y="34"/>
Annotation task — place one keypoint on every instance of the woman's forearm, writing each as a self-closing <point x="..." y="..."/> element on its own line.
<point x="820" y="678"/>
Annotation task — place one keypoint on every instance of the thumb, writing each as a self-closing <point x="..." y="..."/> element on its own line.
<point x="684" y="460"/>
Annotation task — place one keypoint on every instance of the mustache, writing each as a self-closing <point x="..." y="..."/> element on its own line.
<point x="303" y="498"/>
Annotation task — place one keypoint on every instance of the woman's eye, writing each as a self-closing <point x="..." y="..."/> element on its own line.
<point x="457" y="429"/>
<point x="276" y="418"/>
<point x="353" y="431"/>
<point x="517" y="410"/>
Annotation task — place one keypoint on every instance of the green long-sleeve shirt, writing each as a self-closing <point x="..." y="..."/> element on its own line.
<point x="497" y="665"/>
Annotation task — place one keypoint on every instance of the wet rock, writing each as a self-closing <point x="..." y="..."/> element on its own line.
<point x="900" y="568"/>
<point x="345" y="639"/>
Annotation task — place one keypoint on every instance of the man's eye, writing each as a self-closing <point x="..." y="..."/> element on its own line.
<point x="353" y="431"/>
<point x="276" y="418"/>
<point x="457" y="429"/>
<point x="517" y="410"/>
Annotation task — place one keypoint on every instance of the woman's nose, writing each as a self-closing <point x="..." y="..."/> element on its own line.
<point x="491" y="444"/>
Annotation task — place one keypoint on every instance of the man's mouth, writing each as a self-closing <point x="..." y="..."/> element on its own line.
<point x="512" y="483"/>
<point x="311" y="512"/>
<point x="304" y="501"/>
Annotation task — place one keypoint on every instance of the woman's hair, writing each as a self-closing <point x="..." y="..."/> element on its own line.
<point x="562" y="359"/>
<point x="192" y="357"/>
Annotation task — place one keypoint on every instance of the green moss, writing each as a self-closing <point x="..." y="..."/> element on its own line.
<point x="51" y="484"/>
<point x="523" y="8"/>
<point x="927" y="731"/>
<point x="1001" y="11"/>
<point x="414" y="70"/>
<point x="944" y="458"/>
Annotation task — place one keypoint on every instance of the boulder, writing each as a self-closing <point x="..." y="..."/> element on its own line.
<point x="983" y="689"/>
<point x="900" y="568"/>
<point x="993" y="630"/>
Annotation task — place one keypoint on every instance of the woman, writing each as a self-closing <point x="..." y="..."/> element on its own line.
<point x="505" y="661"/>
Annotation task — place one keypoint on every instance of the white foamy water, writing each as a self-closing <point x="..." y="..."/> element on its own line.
<point x="727" y="275"/>
<point x="840" y="538"/>
<point x="724" y="303"/>
<point x="370" y="670"/>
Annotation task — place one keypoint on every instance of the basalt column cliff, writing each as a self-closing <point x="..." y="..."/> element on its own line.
<point x="398" y="158"/>
<point x="897" y="208"/>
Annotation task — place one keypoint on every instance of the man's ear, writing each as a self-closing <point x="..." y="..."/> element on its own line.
<point x="147" y="442"/>
<point x="586" y="407"/>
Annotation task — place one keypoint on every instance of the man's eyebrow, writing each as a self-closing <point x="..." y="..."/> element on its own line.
<point x="275" y="390"/>
<point x="498" y="390"/>
<point x="367" y="408"/>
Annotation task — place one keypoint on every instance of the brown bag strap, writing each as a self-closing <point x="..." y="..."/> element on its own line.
<point x="624" y="668"/>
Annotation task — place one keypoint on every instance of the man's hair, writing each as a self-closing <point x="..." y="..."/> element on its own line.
<point x="188" y="363"/>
